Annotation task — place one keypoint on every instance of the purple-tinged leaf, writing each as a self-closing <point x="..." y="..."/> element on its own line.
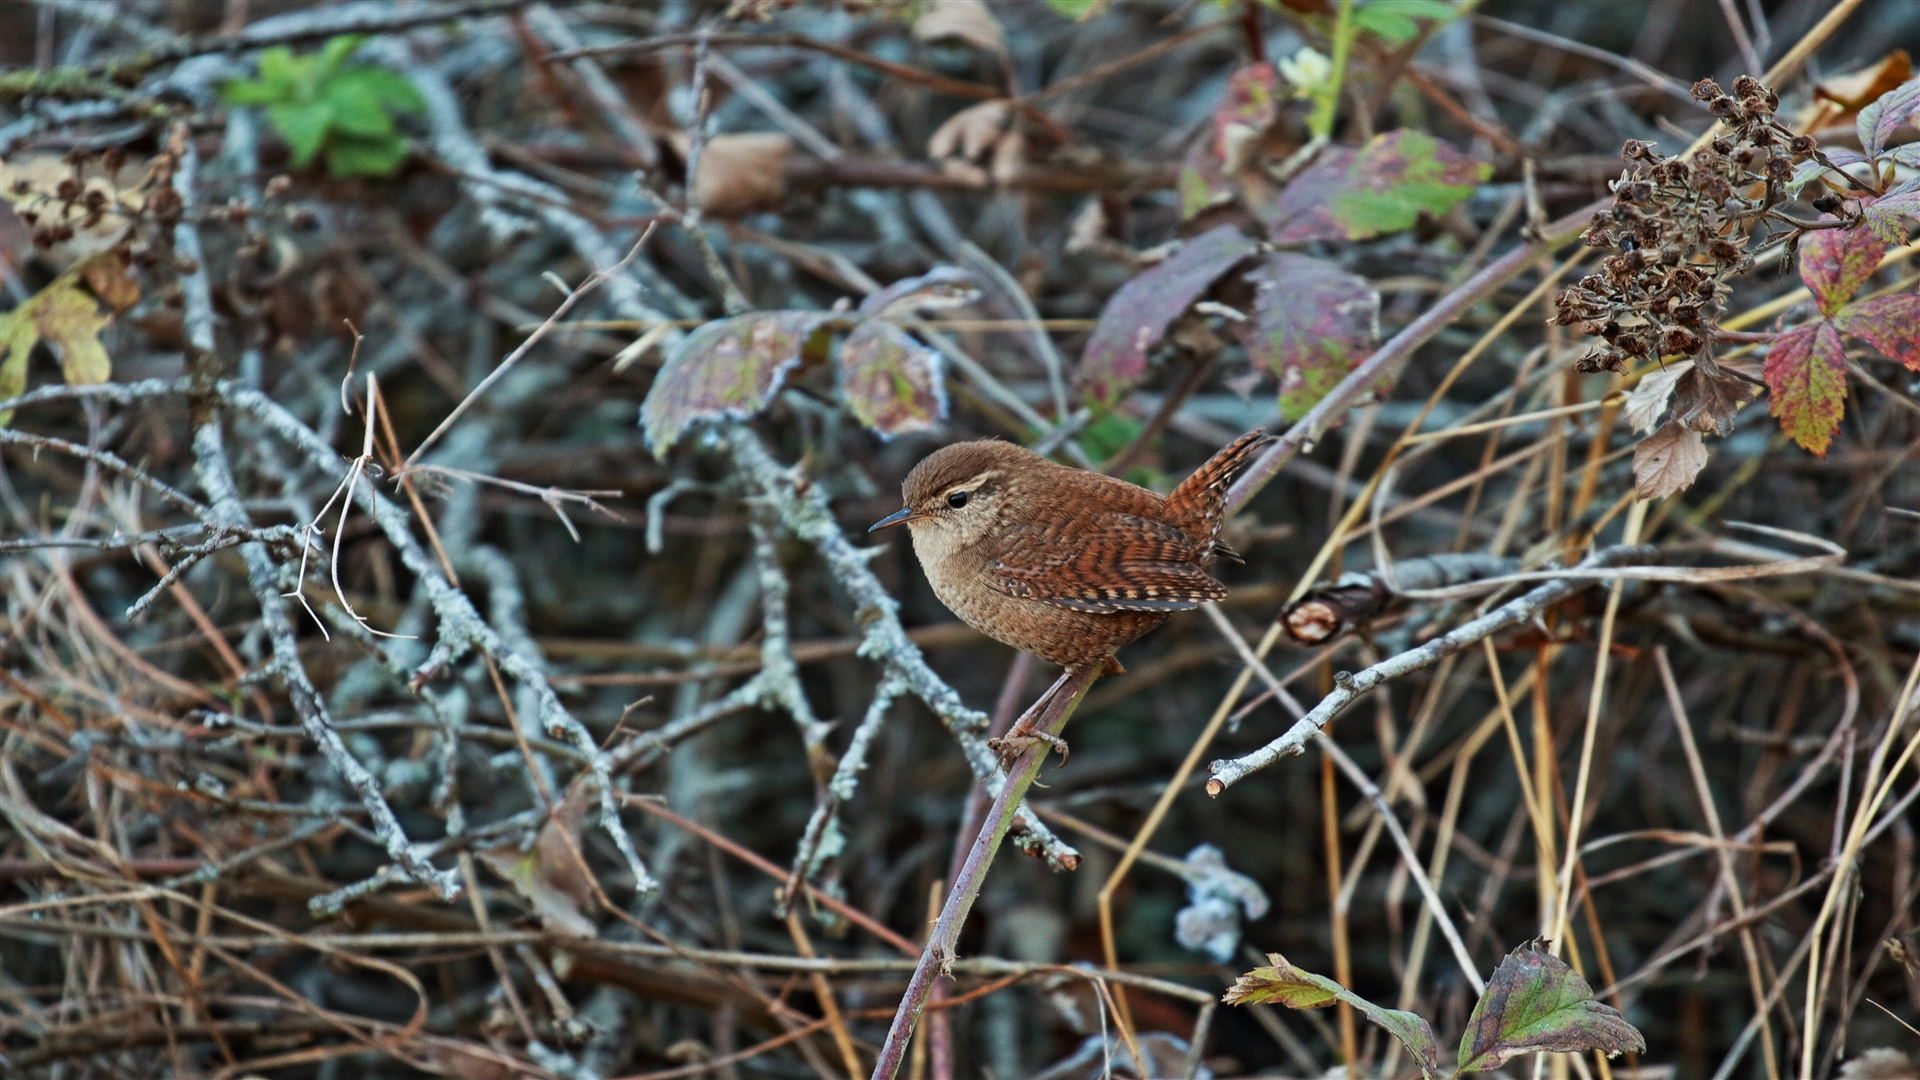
<point x="1536" y="1003"/>
<point x="1313" y="322"/>
<point x="1382" y="187"/>
<point x="729" y="368"/>
<point x="1296" y="989"/>
<point x="1836" y="262"/>
<point x="1888" y="323"/>
<point x="892" y="382"/>
<point x="939" y="288"/>
<point x="1806" y="376"/>
<point x="1879" y="120"/>
<point x="1839" y="157"/>
<point x="1138" y="314"/>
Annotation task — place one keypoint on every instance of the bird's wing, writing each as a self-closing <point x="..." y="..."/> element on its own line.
<point x="1116" y="562"/>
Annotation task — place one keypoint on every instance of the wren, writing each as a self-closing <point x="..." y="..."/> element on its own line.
<point x="1066" y="564"/>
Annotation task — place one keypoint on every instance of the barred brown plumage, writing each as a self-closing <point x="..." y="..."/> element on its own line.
<point x="1065" y="564"/>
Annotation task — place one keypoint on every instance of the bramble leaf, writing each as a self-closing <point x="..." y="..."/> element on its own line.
<point x="1536" y="1003"/>
<point x="351" y="156"/>
<point x="1381" y="187"/>
<point x="938" y="289"/>
<point x="729" y="368"/>
<point x="1879" y="120"/>
<point x="1888" y="323"/>
<point x="1137" y="315"/>
<point x="304" y="125"/>
<point x="1834" y="263"/>
<point x="1392" y="21"/>
<point x="1806" y="376"/>
<point x="1296" y="989"/>
<point x="891" y="381"/>
<point x="1313" y="322"/>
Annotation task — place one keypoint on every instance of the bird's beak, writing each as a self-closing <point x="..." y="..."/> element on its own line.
<point x="898" y="517"/>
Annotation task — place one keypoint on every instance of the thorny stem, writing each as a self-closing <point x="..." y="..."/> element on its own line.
<point x="1057" y="705"/>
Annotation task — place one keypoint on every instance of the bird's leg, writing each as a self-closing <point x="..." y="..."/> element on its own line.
<point x="1023" y="733"/>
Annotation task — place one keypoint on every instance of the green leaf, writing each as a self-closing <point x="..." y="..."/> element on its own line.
<point x="249" y="92"/>
<point x="357" y="109"/>
<point x="727" y="369"/>
<point x="284" y="74"/>
<point x="304" y="126"/>
<point x="1381" y="187"/>
<point x="1536" y="1003"/>
<point x="351" y="156"/>
<point x="335" y="52"/>
<point x="1806" y="377"/>
<point x="1386" y="24"/>
<point x="390" y="88"/>
<point x="1078" y="10"/>
<point x="1296" y="989"/>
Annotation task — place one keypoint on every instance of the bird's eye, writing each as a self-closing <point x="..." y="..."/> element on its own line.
<point x="957" y="500"/>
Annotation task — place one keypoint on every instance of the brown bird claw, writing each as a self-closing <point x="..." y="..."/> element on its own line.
<point x="1014" y="743"/>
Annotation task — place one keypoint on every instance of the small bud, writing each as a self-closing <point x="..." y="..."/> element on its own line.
<point x="1827" y="204"/>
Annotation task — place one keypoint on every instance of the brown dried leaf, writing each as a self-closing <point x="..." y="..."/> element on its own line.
<point x="551" y="876"/>
<point x="742" y="173"/>
<point x="65" y="316"/>
<point x="107" y="276"/>
<point x="970" y="133"/>
<point x="1647" y="401"/>
<point x="969" y="20"/>
<point x="1668" y="460"/>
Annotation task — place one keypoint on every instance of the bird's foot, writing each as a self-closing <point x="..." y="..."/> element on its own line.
<point x="1014" y="743"/>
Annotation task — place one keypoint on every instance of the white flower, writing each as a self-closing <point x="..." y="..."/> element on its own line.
<point x="1308" y="70"/>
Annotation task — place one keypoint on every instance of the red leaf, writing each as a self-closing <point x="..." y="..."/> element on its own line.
<point x="891" y="381"/>
<point x="1806" y="375"/>
<point x="1836" y="262"/>
<point x="1138" y="315"/>
<point x="727" y="368"/>
<point x="1890" y="324"/>
<point x="1382" y="187"/>
<point x="1313" y="322"/>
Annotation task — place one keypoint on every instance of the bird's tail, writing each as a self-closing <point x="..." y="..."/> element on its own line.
<point x="1198" y="505"/>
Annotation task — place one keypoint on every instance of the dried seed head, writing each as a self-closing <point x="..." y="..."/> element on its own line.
<point x="1747" y="86"/>
<point x="1706" y="90"/>
<point x="1803" y="145"/>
